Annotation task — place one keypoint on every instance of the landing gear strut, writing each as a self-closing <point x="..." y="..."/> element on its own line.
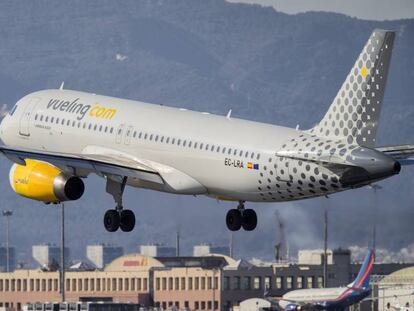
<point x="118" y="217"/>
<point x="241" y="217"/>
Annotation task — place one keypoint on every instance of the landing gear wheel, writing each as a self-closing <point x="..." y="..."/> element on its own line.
<point x="127" y="220"/>
<point x="111" y="220"/>
<point x="234" y="220"/>
<point x="249" y="221"/>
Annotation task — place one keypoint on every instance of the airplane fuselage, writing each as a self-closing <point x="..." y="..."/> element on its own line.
<point x="225" y="157"/>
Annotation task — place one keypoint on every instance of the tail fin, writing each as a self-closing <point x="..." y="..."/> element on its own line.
<point x="354" y="113"/>
<point x="362" y="280"/>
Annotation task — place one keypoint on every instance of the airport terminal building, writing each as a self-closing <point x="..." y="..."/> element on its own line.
<point x="213" y="282"/>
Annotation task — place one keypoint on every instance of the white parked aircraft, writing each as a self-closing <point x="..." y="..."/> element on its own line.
<point x="57" y="137"/>
<point x="334" y="298"/>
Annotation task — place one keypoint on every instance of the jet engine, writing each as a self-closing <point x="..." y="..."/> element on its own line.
<point x="42" y="181"/>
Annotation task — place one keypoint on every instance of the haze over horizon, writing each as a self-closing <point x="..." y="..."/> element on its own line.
<point x="378" y="10"/>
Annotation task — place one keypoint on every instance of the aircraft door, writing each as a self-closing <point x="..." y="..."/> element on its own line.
<point x="119" y="133"/>
<point x="128" y="135"/>
<point x="24" y="124"/>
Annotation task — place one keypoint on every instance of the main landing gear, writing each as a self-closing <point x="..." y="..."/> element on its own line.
<point x="241" y="217"/>
<point x="118" y="217"/>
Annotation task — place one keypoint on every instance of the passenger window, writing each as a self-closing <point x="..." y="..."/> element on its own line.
<point x="135" y="134"/>
<point x="140" y="135"/>
<point x="235" y="152"/>
<point x="241" y="153"/>
<point x="84" y="125"/>
<point x="57" y="120"/>
<point x="224" y="149"/>
<point x="189" y="144"/>
<point x="184" y="143"/>
<point x="95" y="127"/>
<point x="112" y="130"/>
<point x="35" y="115"/>
<point x="68" y="123"/>
<point x="212" y="148"/>
<point x="173" y="141"/>
<point x="247" y="154"/>
<point x="178" y="142"/>
<point x="52" y="119"/>
<point x="252" y="155"/>
<point x="258" y="156"/>
<point x="106" y="129"/>
<point x="79" y="124"/>
<point x="156" y="138"/>
<point x="229" y="151"/>
<point x="90" y="126"/>
<point x="41" y="118"/>
<point x="195" y="145"/>
<point x="145" y="136"/>
<point x="63" y="121"/>
<point x="218" y="149"/>
<point x="207" y="145"/>
<point x="162" y="138"/>
<point x="119" y="131"/>
<point x="47" y="118"/>
<point x="168" y="140"/>
<point x="201" y="146"/>
<point x="151" y="137"/>
<point x="73" y="123"/>
<point x="100" y="128"/>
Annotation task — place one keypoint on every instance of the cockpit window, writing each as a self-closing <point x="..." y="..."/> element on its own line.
<point x="13" y="110"/>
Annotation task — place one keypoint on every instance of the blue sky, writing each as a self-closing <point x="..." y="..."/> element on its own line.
<point x="364" y="9"/>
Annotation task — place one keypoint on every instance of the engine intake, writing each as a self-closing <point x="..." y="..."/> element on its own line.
<point x="44" y="182"/>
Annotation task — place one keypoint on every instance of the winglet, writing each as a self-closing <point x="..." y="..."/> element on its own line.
<point x="62" y="85"/>
<point x="228" y="114"/>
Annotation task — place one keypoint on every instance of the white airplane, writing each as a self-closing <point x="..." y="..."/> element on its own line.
<point x="57" y="137"/>
<point x="335" y="298"/>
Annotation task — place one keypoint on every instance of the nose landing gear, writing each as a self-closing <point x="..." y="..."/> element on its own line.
<point x="241" y="217"/>
<point x="118" y="217"/>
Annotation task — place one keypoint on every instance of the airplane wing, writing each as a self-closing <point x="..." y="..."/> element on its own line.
<point x="79" y="164"/>
<point x="111" y="162"/>
<point x="402" y="153"/>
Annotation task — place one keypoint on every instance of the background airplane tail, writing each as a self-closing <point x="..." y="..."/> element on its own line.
<point x="354" y="113"/>
<point x="364" y="275"/>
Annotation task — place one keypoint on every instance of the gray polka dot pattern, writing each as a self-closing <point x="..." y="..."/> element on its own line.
<point x="284" y="178"/>
<point x="354" y="113"/>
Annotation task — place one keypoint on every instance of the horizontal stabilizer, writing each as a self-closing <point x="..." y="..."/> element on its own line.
<point x="401" y="153"/>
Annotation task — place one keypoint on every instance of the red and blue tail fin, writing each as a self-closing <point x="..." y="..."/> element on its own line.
<point x="362" y="280"/>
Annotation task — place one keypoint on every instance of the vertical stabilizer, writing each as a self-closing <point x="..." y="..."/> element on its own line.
<point x="363" y="278"/>
<point x="354" y="113"/>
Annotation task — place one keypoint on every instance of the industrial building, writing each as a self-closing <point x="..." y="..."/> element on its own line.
<point x="205" y="249"/>
<point x="396" y="290"/>
<point x="11" y="257"/>
<point x="47" y="255"/>
<point x="157" y="250"/>
<point x="212" y="282"/>
<point x="102" y="254"/>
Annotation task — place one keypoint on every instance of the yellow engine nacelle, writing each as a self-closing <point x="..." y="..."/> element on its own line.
<point x="42" y="181"/>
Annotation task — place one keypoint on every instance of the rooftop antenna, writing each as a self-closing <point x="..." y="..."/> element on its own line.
<point x="231" y="245"/>
<point x="62" y="85"/>
<point x="177" y="242"/>
<point x="375" y="187"/>
<point x="325" y="245"/>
